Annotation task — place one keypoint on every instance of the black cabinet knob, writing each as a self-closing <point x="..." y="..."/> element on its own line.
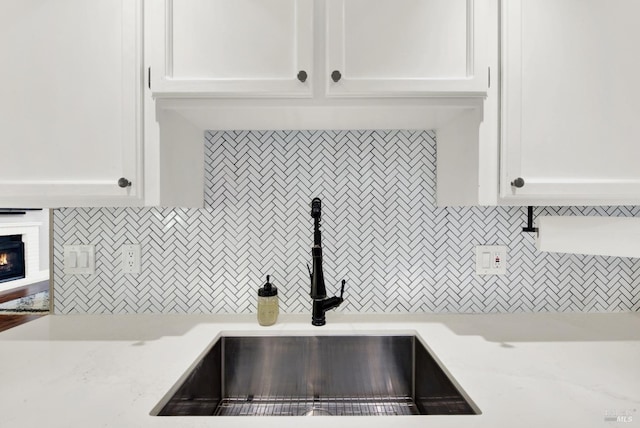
<point x="302" y="76"/>
<point x="336" y="76"/>
<point x="518" y="182"/>
<point x="123" y="182"/>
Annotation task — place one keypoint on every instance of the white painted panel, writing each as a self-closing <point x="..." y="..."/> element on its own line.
<point x="405" y="39"/>
<point x="230" y="48"/>
<point x="399" y="48"/>
<point x="233" y="39"/>
<point x="46" y="82"/>
<point x="580" y="88"/>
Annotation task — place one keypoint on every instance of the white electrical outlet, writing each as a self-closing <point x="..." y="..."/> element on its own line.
<point x="491" y="260"/>
<point x="131" y="258"/>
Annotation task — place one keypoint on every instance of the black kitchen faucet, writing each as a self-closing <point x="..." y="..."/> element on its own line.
<point x="321" y="303"/>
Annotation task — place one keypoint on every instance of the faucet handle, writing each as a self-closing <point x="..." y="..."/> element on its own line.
<point x="310" y="274"/>
<point x="342" y="289"/>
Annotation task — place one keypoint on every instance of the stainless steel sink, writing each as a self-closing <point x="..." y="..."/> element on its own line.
<point x="315" y="375"/>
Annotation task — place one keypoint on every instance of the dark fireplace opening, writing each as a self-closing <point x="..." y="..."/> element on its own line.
<point x="12" y="263"/>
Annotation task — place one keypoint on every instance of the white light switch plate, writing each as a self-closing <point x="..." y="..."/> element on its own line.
<point x="79" y="259"/>
<point x="491" y="260"/>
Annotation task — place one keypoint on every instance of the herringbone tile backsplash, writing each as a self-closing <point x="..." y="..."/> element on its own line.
<point x="381" y="232"/>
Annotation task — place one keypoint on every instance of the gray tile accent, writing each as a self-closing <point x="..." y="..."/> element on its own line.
<point x="381" y="232"/>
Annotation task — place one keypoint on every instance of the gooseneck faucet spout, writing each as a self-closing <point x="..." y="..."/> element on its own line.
<point x="318" y="290"/>
<point x="321" y="304"/>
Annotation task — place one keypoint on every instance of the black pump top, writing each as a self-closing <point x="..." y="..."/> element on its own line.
<point x="267" y="290"/>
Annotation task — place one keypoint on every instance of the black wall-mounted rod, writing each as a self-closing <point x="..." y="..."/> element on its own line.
<point x="530" y="227"/>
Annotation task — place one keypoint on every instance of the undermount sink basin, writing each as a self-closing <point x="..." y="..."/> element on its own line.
<point x="315" y="375"/>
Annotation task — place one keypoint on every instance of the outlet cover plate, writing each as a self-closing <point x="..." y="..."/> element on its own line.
<point x="131" y="258"/>
<point x="491" y="260"/>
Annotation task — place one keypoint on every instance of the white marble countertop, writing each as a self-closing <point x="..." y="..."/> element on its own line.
<point x="521" y="370"/>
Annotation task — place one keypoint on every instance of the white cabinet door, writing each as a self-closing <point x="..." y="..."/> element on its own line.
<point x="570" y="107"/>
<point x="407" y="47"/>
<point x="70" y="90"/>
<point x="232" y="48"/>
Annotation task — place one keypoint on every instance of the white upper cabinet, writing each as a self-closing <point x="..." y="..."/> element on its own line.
<point x="231" y="48"/>
<point x="78" y="126"/>
<point x="70" y="103"/>
<point x="407" y="47"/>
<point x="278" y="48"/>
<point x="570" y="106"/>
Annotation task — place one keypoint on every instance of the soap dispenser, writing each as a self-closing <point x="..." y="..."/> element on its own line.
<point x="267" y="304"/>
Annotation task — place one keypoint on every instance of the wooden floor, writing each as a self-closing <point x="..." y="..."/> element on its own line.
<point x="27" y="290"/>
<point x="8" y="321"/>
